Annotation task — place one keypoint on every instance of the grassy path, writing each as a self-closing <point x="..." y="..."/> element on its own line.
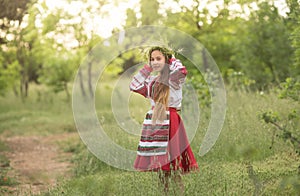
<point x="37" y="162"/>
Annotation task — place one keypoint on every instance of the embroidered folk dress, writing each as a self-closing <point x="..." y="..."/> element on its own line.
<point x="163" y="146"/>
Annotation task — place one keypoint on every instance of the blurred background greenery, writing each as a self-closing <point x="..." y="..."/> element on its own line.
<point x="44" y="42"/>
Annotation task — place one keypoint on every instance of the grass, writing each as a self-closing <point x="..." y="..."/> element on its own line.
<point x="240" y="163"/>
<point x="35" y="116"/>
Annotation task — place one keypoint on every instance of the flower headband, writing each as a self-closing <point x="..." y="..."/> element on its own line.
<point x="168" y="53"/>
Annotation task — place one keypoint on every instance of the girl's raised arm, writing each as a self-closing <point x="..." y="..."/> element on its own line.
<point x="138" y="82"/>
<point x="178" y="73"/>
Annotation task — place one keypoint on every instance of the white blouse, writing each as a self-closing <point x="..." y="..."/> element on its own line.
<point x="142" y="83"/>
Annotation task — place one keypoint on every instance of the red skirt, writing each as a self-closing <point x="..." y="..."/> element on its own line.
<point x="179" y="155"/>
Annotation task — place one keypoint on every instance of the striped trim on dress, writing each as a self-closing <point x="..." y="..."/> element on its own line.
<point x="154" y="138"/>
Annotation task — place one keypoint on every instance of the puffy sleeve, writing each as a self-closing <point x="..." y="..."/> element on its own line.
<point x="178" y="73"/>
<point x="138" y="83"/>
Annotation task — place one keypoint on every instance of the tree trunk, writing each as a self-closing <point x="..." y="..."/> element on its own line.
<point x="67" y="91"/>
<point x="90" y="79"/>
<point x="26" y="84"/>
<point x="274" y="73"/>
<point x="24" y="88"/>
<point x="81" y="83"/>
<point x="21" y="88"/>
<point x="15" y="91"/>
<point x="204" y="57"/>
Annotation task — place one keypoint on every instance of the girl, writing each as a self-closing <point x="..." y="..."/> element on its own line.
<point x="163" y="145"/>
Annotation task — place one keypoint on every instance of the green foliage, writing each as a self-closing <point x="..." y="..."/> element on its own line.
<point x="131" y="20"/>
<point x="125" y="61"/>
<point x="9" y="75"/>
<point x="5" y="179"/>
<point x="266" y="47"/>
<point x="20" y="64"/>
<point x="58" y="71"/>
<point x="201" y="87"/>
<point x="293" y="22"/>
<point x="291" y="182"/>
<point x="288" y="123"/>
<point x="259" y="46"/>
<point x="290" y="89"/>
<point x="13" y="10"/>
<point x="237" y="80"/>
<point x="9" y="71"/>
<point x="288" y="127"/>
<point x="149" y="10"/>
<point x="50" y="22"/>
<point x="269" y="117"/>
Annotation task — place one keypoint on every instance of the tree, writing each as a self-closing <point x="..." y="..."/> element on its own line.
<point x="58" y="62"/>
<point x="58" y="71"/>
<point x="150" y="16"/>
<point x="11" y="11"/>
<point x="27" y="44"/>
<point x="266" y="47"/>
<point x="11" y="17"/>
<point x="219" y="33"/>
<point x="86" y="41"/>
<point x="149" y="11"/>
<point x="293" y="22"/>
<point x="8" y="71"/>
<point x="258" y="45"/>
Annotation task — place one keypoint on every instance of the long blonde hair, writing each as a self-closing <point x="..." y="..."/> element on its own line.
<point x="161" y="87"/>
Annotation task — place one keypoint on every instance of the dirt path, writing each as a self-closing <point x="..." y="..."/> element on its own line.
<point x="37" y="162"/>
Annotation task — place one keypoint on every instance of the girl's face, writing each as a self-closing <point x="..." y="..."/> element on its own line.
<point x="157" y="61"/>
